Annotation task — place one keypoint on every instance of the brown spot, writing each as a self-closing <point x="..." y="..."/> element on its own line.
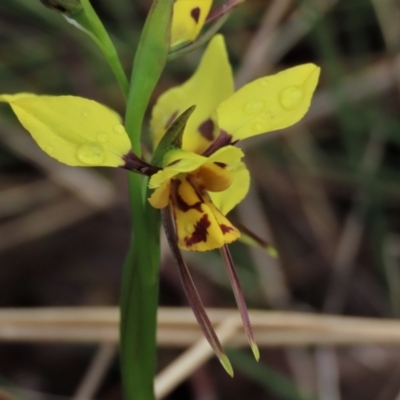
<point x="135" y="164"/>
<point x="220" y="164"/>
<point x="207" y="129"/>
<point x="223" y="139"/>
<point x="179" y="202"/>
<point x="225" y="228"/>
<point x="200" y="232"/>
<point x="171" y="119"/>
<point x="173" y="163"/>
<point x="195" y="14"/>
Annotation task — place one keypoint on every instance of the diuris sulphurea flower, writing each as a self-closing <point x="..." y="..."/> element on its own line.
<point x="206" y="178"/>
<point x="199" y="176"/>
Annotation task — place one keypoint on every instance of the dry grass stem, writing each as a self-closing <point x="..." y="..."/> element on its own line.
<point x="43" y="221"/>
<point x="253" y="61"/>
<point x="20" y="198"/>
<point x="353" y="229"/>
<point x="299" y="23"/>
<point x="85" y="184"/>
<point x="95" y="374"/>
<point x="177" y="327"/>
<point x="271" y="277"/>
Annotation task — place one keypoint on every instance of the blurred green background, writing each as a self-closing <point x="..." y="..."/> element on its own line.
<point x="326" y="192"/>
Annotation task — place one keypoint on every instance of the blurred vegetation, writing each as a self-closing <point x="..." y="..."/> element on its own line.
<point x="326" y="192"/>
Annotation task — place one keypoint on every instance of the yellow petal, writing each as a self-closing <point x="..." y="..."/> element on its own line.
<point x="160" y="197"/>
<point x="187" y="159"/>
<point x="176" y="161"/>
<point x="200" y="226"/>
<point x="229" y="155"/>
<point x="214" y="177"/>
<point x="188" y="19"/>
<point x="230" y="233"/>
<point x="7" y="98"/>
<point x="209" y="86"/>
<point x="270" y="103"/>
<point x="73" y="130"/>
<point x="225" y="201"/>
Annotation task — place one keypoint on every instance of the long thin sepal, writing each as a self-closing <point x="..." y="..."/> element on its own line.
<point x="192" y="294"/>
<point x="247" y="236"/>
<point x="237" y="290"/>
<point x="223" y="9"/>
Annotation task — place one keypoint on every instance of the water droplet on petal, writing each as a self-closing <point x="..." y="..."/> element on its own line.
<point x="119" y="128"/>
<point x="259" y="127"/>
<point x="85" y="113"/>
<point x="91" y="154"/>
<point x="254" y="107"/>
<point x="102" y="137"/>
<point x="49" y="149"/>
<point x="189" y="228"/>
<point x="291" y="97"/>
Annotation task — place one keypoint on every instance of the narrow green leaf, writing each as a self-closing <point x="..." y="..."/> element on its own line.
<point x="150" y="59"/>
<point x="172" y="138"/>
<point x="87" y="21"/>
<point x="139" y="295"/>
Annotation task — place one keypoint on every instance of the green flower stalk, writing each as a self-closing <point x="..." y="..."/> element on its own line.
<point x="82" y="15"/>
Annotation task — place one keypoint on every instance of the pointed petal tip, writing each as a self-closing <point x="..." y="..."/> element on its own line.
<point x="272" y="251"/>
<point x="255" y="350"/>
<point x="224" y="360"/>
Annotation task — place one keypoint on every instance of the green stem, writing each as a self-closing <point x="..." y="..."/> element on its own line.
<point x="139" y="296"/>
<point x="91" y="24"/>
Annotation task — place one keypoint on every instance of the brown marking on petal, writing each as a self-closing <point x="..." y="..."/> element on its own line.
<point x="223" y="139"/>
<point x="135" y="164"/>
<point x="207" y="129"/>
<point x="220" y="164"/>
<point x="200" y="232"/>
<point x="195" y="14"/>
<point x="173" y="163"/>
<point x="171" y="119"/>
<point x="59" y="8"/>
<point x="225" y="228"/>
<point x="179" y="202"/>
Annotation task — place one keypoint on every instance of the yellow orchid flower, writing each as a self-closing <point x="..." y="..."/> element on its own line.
<point x="204" y="180"/>
<point x="188" y="18"/>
